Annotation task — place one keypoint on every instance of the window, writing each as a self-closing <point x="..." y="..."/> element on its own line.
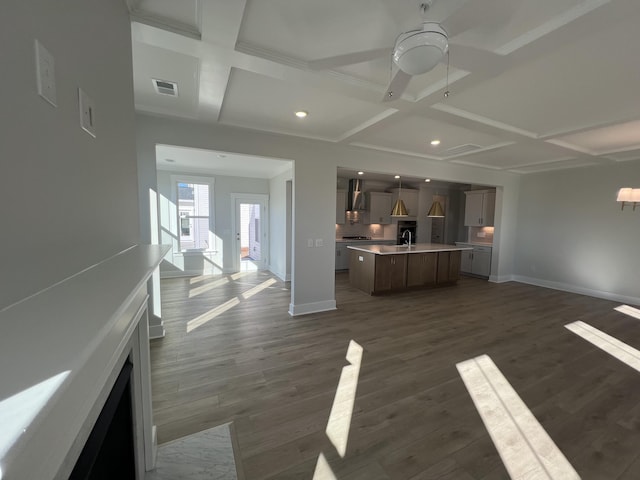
<point x="193" y="216"/>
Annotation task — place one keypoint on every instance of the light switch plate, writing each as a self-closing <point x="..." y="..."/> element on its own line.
<point x="310" y="242"/>
<point x="319" y="242"/>
<point x="45" y="74"/>
<point x="87" y="113"/>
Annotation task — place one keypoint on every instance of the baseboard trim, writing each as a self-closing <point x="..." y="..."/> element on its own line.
<point x="501" y="278"/>
<point x="566" y="287"/>
<point x="156" y="331"/>
<point x="315" y="307"/>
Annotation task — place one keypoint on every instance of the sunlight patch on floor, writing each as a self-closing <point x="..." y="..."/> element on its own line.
<point x="323" y="470"/>
<point x="526" y="449"/>
<point x="211" y="314"/>
<point x="258" y="288"/>
<point x="609" y="344"/>
<point x="209" y="286"/>
<point x="198" y="279"/>
<point x="238" y="275"/>
<point x="342" y="409"/>
<point x="627" y="310"/>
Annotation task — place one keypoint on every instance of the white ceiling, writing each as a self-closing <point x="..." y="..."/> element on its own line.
<point x="549" y="84"/>
<point x="194" y="160"/>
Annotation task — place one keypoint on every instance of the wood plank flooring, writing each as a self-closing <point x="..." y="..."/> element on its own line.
<point x="275" y="376"/>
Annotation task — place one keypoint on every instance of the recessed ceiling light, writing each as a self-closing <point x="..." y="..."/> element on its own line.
<point x="360" y="173"/>
<point x="427" y="179"/>
<point x="435" y="143"/>
<point x="301" y="114"/>
<point x="170" y="160"/>
<point x="397" y="177"/>
<point x="222" y="155"/>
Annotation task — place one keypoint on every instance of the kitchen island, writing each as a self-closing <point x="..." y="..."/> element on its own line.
<point x="386" y="268"/>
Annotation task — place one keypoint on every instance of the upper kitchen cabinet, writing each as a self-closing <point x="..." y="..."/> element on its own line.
<point x="410" y="198"/>
<point x="341" y="206"/>
<point x="380" y="206"/>
<point x="479" y="208"/>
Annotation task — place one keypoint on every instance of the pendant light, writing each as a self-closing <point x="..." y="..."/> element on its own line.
<point x="436" y="210"/>
<point x="399" y="210"/>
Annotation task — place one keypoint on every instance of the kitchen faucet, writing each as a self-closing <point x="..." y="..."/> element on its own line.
<point x="409" y="232"/>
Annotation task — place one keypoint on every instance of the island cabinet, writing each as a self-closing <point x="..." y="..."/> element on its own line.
<point x="374" y="273"/>
<point x="391" y="273"/>
<point x="422" y="269"/>
<point x="449" y="266"/>
<point x="388" y="268"/>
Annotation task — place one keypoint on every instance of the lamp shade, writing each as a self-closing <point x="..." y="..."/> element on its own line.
<point x="399" y="210"/>
<point x="436" y="210"/>
<point x="624" y="195"/>
<point x="635" y="195"/>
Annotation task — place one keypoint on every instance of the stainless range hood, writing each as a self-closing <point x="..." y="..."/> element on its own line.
<point x="355" y="196"/>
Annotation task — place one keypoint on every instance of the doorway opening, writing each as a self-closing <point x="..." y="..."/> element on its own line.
<point x="250" y="245"/>
<point x="251" y="225"/>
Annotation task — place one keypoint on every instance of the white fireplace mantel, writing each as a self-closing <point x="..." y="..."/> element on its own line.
<point x="60" y="351"/>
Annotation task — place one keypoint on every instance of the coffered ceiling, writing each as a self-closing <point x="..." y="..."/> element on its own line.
<point x="548" y="84"/>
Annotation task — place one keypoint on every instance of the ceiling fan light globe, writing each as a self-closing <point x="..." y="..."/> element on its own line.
<point x="419" y="51"/>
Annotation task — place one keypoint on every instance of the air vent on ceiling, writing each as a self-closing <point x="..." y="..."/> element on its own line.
<point x="165" y="88"/>
<point x="461" y="149"/>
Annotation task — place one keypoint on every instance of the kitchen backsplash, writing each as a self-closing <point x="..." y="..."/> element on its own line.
<point x="373" y="231"/>
<point x="481" y="235"/>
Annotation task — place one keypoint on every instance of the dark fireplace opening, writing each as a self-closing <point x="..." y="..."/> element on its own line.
<point x="109" y="451"/>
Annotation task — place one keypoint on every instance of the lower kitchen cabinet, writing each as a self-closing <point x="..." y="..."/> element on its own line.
<point x="422" y="269"/>
<point x="391" y="272"/>
<point x="477" y="261"/>
<point x="448" y="266"/>
<point x="373" y="273"/>
<point x="342" y="257"/>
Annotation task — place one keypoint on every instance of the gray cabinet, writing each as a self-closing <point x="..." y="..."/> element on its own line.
<point x="342" y="256"/>
<point x="479" y="208"/>
<point x="341" y="206"/>
<point x="379" y="204"/>
<point x="476" y="261"/>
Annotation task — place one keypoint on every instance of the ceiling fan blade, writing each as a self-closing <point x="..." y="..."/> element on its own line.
<point x="397" y="86"/>
<point x="348" y="59"/>
<point x="486" y="14"/>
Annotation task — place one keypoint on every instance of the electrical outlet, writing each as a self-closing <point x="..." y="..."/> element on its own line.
<point x="45" y="74"/>
<point x="87" y="113"/>
<point x="319" y="242"/>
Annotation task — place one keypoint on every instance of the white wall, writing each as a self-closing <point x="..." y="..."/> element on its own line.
<point x="67" y="200"/>
<point x="278" y="224"/>
<point x="177" y="264"/>
<point x="314" y="184"/>
<point x="572" y="235"/>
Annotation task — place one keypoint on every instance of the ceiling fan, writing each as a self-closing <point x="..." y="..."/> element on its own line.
<point x="419" y="50"/>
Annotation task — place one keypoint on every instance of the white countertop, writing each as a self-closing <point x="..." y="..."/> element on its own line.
<point x="55" y="348"/>
<point x="371" y="240"/>
<point x="477" y="244"/>
<point x="415" y="248"/>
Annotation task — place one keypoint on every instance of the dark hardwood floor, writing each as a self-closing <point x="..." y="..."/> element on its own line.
<point x="244" y="359"/>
